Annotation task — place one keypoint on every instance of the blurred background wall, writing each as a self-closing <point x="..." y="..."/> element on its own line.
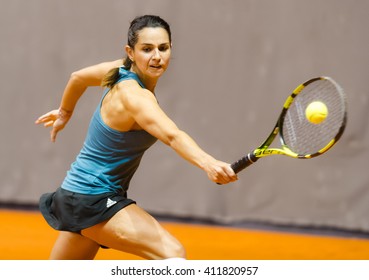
<point x="234" y="62"/>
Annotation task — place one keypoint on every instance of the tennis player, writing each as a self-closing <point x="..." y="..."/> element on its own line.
<point x="91" y="208"/>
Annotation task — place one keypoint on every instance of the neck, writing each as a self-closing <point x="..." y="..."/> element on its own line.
<point x="149" y="83"/>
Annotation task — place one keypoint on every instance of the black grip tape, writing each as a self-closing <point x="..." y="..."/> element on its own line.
<point x="244" y="162"/>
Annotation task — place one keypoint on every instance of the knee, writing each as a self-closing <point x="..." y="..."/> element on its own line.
<point x="180" y="252"/>
<point x="176" y="250"/>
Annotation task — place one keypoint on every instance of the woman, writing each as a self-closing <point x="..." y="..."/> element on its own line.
<point x="91" y="208"/>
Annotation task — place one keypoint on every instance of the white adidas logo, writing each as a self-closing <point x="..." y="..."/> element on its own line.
<point x="110" y="203"/>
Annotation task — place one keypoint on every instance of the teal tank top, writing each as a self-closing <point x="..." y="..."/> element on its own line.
<point x="108" y="158"/>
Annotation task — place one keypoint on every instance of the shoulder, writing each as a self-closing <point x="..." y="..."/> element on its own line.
<point x="133" y="95"/>
<point x="131" y="88"/>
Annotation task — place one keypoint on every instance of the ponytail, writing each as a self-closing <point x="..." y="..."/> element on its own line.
<point x="113" y="75"/>
<point x="110" y="78"/>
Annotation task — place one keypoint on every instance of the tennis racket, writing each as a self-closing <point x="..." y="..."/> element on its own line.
<point x="299" y="137"/>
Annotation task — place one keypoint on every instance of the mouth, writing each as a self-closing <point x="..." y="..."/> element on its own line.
<point x="156" y="66"/>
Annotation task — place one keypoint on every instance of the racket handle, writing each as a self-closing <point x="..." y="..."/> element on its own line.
<point x="244" y="162"/>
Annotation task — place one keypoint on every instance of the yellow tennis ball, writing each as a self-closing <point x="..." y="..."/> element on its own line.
<point x="316" y="112"/>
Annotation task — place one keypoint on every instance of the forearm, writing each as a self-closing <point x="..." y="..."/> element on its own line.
<point x="82" y="79"/>
<point x="217" y="171"/>
<point x="57" y="119"/>
<point x="72" y="93"/>
<point x="187" y="148"/>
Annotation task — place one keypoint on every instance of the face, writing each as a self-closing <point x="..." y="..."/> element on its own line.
<point x="151" y="54"/>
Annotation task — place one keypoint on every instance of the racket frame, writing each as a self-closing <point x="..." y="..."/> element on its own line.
<point x="263" y="150"/>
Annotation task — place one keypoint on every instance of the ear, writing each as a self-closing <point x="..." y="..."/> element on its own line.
<point x="129" y="52"/>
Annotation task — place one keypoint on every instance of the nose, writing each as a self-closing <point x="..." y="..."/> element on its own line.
<point x="156" y="54"/>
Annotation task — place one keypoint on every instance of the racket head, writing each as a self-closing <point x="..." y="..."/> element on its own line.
<point x="301" y="138"/>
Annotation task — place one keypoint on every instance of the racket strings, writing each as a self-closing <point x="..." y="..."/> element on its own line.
<point x="304" y="137"/>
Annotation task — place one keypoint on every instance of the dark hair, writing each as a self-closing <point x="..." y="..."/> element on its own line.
<point x="137" y="25"/>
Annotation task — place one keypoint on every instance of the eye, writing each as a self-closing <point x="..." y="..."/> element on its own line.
<point x="163" y="48"/>
<point x="146" y="49"/>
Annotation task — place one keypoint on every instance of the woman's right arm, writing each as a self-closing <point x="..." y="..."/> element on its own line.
<point x="145" y="110"/>
<point x="78" y="82"/>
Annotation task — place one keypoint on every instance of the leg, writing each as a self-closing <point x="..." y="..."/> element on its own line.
<point x="73" y="246"/>
<point x="134" y="231"/>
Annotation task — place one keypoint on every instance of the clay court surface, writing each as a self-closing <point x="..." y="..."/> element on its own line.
<point x="26" y="236"/>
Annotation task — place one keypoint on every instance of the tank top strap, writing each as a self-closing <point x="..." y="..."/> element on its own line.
<point x="128" y="75"/>
<point x="124" y="75"/>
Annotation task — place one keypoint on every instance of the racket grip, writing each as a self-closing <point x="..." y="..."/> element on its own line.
<point x="244" y="162"/>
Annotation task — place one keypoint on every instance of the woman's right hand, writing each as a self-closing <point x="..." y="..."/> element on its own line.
<point x="55" y="118"/>
<point x="220" y="172"/>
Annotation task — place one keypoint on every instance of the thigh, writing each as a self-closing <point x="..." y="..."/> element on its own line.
<point x="73" y="246"/>
<point x="134" y="231"/>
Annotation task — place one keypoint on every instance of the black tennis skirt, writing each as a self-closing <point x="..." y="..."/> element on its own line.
<point x="69" y="211"/>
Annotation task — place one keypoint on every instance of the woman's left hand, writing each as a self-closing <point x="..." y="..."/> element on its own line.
<point x="55" y="118"/>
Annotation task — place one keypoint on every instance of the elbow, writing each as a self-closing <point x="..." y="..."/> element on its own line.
<point x="76" y="77"/>
<point x="78" y="81"/>
<point x="172" y="138"/>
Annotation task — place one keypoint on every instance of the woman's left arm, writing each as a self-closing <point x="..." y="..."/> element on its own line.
<point x="77" y="84"/>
